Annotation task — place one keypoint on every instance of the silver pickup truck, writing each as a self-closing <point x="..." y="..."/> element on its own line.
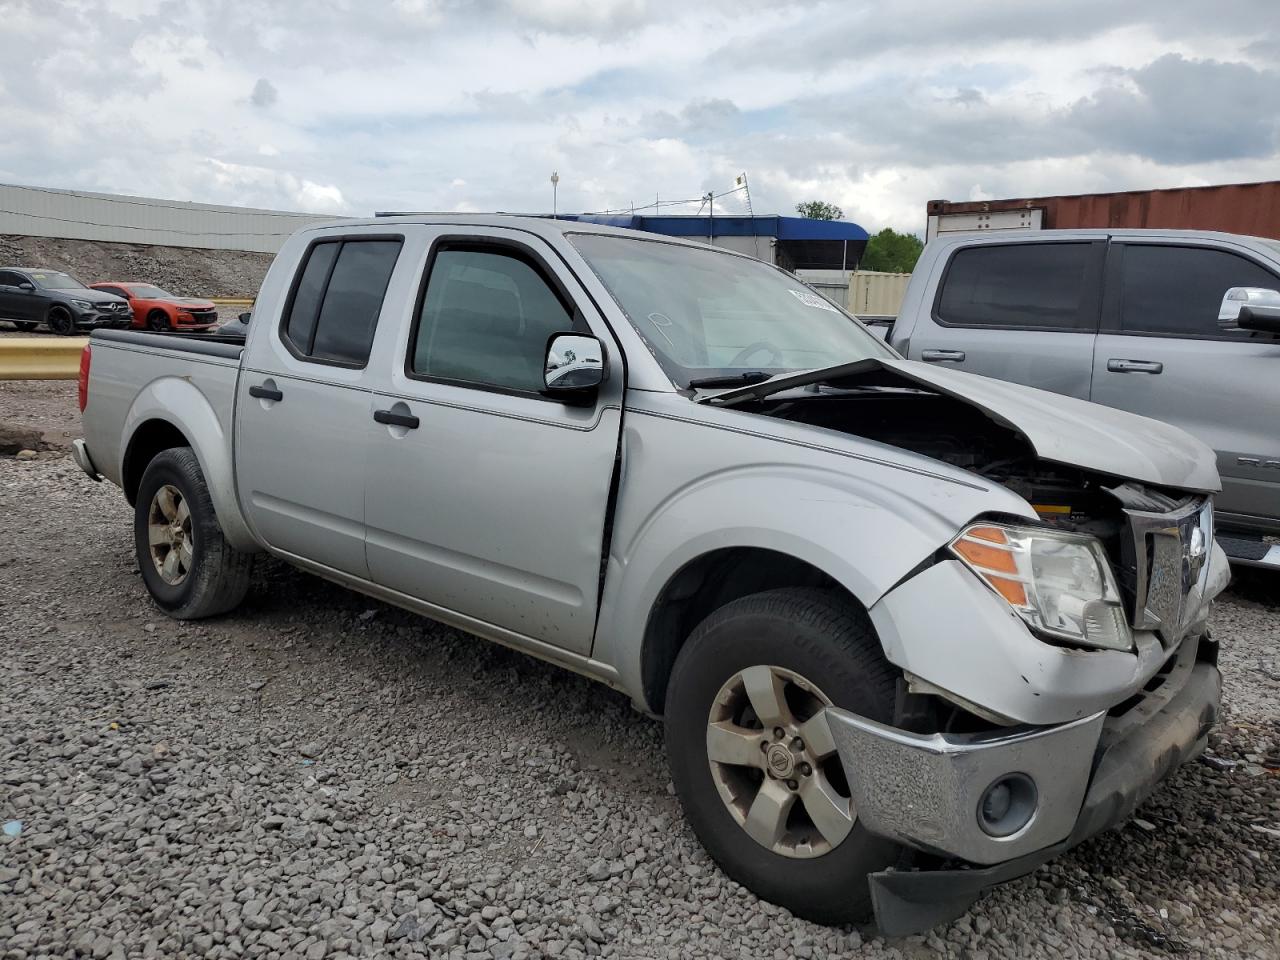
<point x="911" y="632"/>
<point x="1180" y="325"/>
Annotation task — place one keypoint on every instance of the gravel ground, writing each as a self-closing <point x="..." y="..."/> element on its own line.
<point x="185" y="271"/>
<point x="319" y="775"/>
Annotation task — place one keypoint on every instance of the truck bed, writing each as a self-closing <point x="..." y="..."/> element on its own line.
<point x="207" y="344"/>
<point x="144" y="386"/>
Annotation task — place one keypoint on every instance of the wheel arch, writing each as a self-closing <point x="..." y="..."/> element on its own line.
<point x="151" y="438"/>
<point x="705" y="584"/>
<point x="171" y="412"/>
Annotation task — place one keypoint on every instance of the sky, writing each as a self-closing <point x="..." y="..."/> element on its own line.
<point x="351" y="107"/>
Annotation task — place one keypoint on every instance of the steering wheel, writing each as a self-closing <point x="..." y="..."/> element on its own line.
<point x="740" y="358"/>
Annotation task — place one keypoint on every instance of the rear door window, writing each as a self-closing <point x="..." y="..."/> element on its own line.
<point x="1019" y="286"/>
<point x="1177" y="291"/>
<point x="334" y="310"/>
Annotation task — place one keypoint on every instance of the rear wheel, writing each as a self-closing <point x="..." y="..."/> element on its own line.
<point x="61" y="322"/>
<point x="752" y="757"/>
<point x="25" y="325"/>
<point x="188" y="566"/>
<point x="158" y="320"/>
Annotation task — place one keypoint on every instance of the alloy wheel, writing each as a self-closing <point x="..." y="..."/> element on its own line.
<point x="169" y="534"/>
<point x="774" y="762"/>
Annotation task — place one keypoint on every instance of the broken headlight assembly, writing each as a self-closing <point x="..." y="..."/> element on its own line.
<point x="1059" y="583"/>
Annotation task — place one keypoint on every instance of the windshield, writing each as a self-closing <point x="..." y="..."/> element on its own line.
<point x="52" y="280"/>
<point x="709" y="315"/>
<point x="144" y="291"/>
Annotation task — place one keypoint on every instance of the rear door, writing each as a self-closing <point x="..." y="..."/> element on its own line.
<point x="1024" y="311"/>
<point x="492" y="502"/>
<point x="303" y="405"/>
<point x="1163" y="354"/>
<point x="15" y="303"/>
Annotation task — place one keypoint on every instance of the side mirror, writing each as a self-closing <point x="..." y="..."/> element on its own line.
<point x="574" y="364"/>
<point x="244" y="317"/>
<point x="1239" y="303"/>
<point x="27" y="286"/>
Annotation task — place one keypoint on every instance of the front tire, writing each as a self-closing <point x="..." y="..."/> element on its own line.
<point x="61" y="321"/>
<point x="189" y="568"/>
<point x="158" y="321"/>
<point x="752" y="758"/>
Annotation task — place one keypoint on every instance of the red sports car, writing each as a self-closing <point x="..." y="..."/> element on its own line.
<point x="156" y="309"/>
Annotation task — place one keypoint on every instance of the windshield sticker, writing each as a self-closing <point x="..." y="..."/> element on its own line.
<point x="813" y="300"/>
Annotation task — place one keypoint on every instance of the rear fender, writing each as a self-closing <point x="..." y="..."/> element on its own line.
<point x="176" y="401"/>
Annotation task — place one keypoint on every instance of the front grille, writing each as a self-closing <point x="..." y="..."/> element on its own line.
<point x="1165" y="561"/>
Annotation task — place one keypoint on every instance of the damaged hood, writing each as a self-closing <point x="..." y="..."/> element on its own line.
<point x="1060" y="429"/>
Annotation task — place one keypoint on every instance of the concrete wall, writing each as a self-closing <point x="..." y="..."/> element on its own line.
<point x="45" y="212"/>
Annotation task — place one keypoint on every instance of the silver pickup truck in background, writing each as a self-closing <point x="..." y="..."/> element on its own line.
<point x="911" y="632"/>
<point x="1179" y="325"/>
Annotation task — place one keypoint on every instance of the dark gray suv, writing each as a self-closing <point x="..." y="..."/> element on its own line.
<point x="30" y="296"/>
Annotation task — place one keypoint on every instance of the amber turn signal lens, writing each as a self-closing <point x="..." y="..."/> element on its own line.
<point x="988" y="558"/>
<point x="1011" y="590"/>
<point x="992" y="534"/>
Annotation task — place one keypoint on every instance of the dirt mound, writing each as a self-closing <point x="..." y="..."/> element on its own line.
<point x="184" y="271"/>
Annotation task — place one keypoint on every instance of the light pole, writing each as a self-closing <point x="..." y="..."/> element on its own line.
<point x="555" y="189"/>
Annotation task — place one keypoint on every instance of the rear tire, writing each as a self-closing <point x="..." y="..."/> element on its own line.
<point x="158" y="321"/>
<point x="815" y="647"/>
<point x="189" y="568"/>
<point x="26" y="326"/>
<point x="61" y="322"/>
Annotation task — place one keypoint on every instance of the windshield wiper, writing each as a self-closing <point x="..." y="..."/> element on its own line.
<point x="736" y="380"/>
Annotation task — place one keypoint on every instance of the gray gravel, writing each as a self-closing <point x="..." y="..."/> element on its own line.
<point x="319" y="775"/>
<point x="185" y="271"/>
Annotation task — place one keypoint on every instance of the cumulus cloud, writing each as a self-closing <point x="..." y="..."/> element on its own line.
<point x="470" y="104"/>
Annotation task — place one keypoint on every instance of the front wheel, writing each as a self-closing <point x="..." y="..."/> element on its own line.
<point x="158" y="321"/>
<point x="61" y="322"/>
<point x="188" y="566"/>
<point x="752" y="757"/>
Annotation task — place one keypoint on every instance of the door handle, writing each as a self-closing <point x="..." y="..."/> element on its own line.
<point x="396" y="419"/>
<point x="942" y="356"/>
<point x="1135" y="366"/>
<point x="265" y="393"/>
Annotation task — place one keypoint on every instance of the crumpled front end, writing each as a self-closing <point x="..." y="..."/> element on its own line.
<point x="1065" y="741"/>
<point x="994" y="806"/>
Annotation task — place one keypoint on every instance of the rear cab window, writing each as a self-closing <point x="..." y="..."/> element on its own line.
<point x="1022" y="286"/>
<point x="338" y="293"/>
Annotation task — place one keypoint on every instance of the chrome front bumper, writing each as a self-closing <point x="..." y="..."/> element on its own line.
<point x="925" y="791"/>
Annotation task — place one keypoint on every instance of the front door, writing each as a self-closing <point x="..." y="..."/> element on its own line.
<point x="304" y="405"/>
<point x="1025" y="311"/>
<point x="488" y="498"/>
<point x="1162" y="353"/>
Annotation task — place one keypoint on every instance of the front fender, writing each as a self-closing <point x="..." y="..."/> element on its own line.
<point x="866" y="529"/>
<point x="177" y="401"/>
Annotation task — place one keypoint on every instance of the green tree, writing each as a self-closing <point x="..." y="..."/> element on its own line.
<point x="819" y="210"/>
<point x="891" y="252"/>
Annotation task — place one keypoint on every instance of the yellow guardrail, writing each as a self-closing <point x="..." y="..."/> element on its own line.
<point x="232" y="301"/>
<point x="40" y="358"/>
